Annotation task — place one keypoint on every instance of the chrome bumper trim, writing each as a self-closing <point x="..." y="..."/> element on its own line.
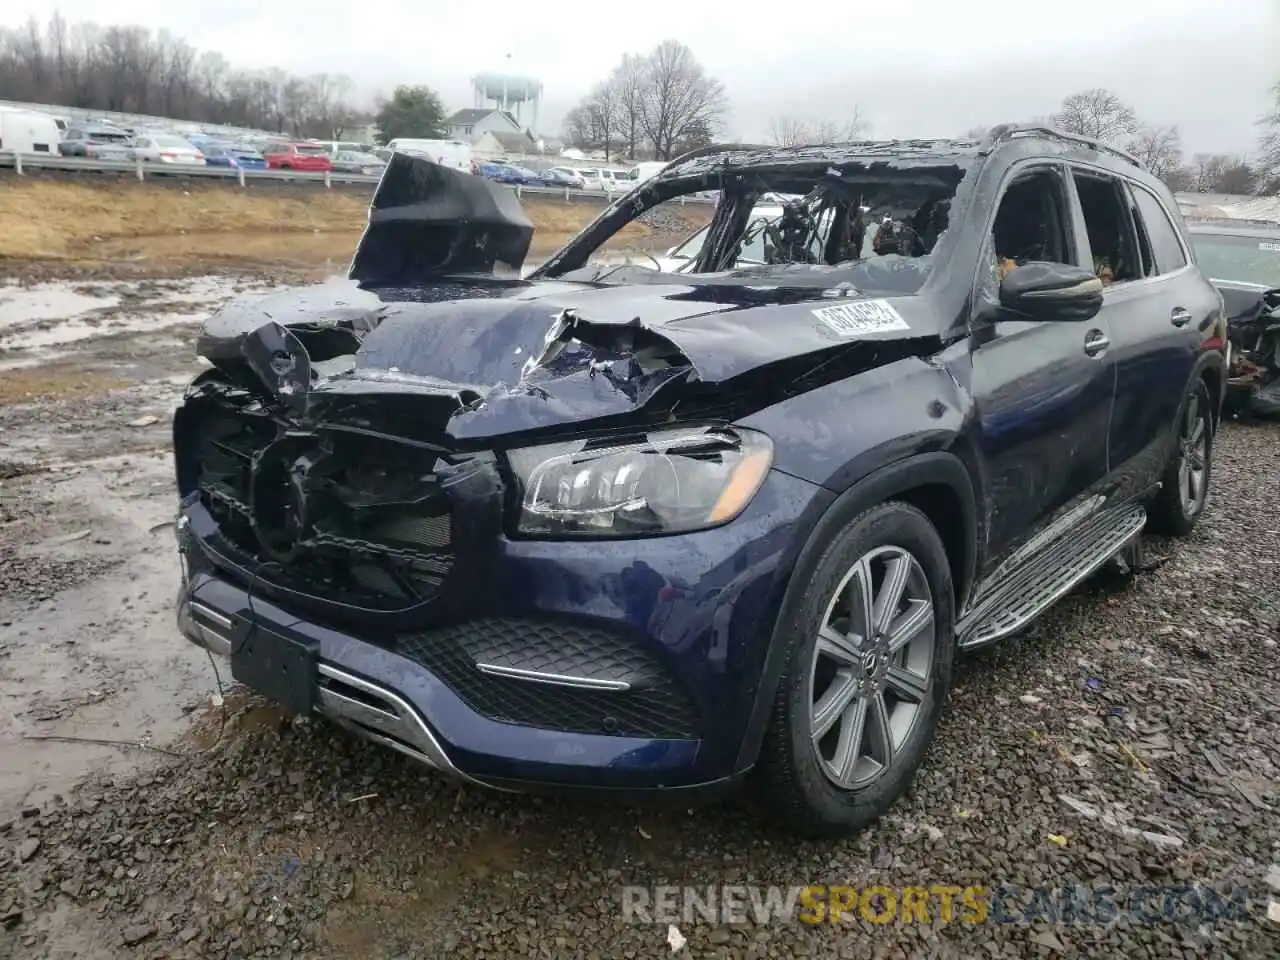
<point x="553" y="679"/>
<point x="378" y="714"/>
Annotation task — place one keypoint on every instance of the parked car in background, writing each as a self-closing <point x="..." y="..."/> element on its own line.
<point x="600" y="178"/>
<point x="284" y="155"/>
<point x="447" y="153"/>
<point x="230" y="155"/>
<point x="165" y="148"/>
<point x="504" y="172"/>
<point x="564" y="177"/>
<point x="333" y="147"/>
<point x="27" y="131"/>
<point x="645" y="169"/>
<point x="1242" y="259"/>
<point x="352" y="161"/>
<point x="82" y="139"/>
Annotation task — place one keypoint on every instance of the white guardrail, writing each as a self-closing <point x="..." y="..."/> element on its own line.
<point x="19" y="163"/>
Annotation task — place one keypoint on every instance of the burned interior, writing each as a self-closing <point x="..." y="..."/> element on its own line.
<point x="862" y="217"/>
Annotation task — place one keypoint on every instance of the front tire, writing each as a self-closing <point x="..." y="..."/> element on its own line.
<point x="867" y="676"/>
<point x="1184" y="487"/>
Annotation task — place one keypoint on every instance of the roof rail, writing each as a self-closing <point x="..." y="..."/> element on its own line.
<point x="1008" y="131"/>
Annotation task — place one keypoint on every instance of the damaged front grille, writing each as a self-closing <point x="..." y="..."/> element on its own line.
<point x="652" y="704"/>
<point x="358" y="520"/>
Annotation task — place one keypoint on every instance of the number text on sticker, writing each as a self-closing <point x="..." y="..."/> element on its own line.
<point x="861" y="317"/>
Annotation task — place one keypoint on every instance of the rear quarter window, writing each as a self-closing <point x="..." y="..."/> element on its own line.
<point x="1161" y="232"/>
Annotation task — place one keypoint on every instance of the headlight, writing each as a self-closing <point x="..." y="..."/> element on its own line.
<point x="672" y="481"/>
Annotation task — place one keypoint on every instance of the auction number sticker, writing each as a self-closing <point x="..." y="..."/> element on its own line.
<point x="1269" y="245"/>
<point x="861" y="317"/>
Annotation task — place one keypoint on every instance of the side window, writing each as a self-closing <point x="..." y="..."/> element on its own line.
<point x="1162" y="234"/>
<point x="1030" y="224"/>
<point x="1117" y="257"/>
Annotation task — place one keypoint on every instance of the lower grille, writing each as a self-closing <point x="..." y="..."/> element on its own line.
<point x="652" y="705"/>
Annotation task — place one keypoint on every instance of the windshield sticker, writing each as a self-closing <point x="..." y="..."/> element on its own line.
<point x="861" y="317"/>
<point x="1269" y="245"/>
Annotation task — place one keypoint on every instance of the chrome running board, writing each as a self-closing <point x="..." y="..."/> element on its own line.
<point x="1050" y="576"/>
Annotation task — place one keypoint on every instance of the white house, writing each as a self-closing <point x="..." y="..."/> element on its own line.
<point x="473" y="123"/>
<point x="500" y="143"/>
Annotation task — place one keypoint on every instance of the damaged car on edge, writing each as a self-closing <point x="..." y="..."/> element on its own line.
<point x="1242" y="258"/>
<point x="614" y="528"/>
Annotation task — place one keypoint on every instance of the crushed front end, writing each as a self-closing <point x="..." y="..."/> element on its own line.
<point x="1254" y="335"/>
<point x="451" y="602"/>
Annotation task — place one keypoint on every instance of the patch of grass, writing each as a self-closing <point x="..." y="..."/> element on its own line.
<point x="54" y="381"/>
<point x="87" y="223"/>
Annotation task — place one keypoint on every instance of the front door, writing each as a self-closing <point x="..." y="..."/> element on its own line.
<point x="1043" y="390"/>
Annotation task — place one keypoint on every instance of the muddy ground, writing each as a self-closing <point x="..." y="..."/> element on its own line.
<point x="149" y="808"/>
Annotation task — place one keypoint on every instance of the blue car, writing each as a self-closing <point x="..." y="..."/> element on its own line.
<point x="510" y="173"/>
<point x="609" y="527"/>
<point x="229" y="155"/>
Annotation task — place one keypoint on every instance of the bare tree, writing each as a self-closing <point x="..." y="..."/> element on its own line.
<point x="682" y="102"/>
<point x="127" y="68"/>
<point x="592" y="123"/>
<point x="1097" y="113"/>
<point x="1159" y="149"/>
<point x="788" y="131"/>
<point x="1269" y="147"/>
<point x="629" y="84"/>
<point x="1221" y="173"/>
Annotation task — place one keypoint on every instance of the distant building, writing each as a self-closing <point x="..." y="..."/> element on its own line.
<point x="361" y="133"/>
<point x="474" y="122"/>
<point x="496" y="143"/>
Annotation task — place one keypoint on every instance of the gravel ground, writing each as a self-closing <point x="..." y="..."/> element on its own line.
<point x="1151" y="702"/>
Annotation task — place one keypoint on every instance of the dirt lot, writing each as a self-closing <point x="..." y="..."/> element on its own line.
<point x="148" y="808"/>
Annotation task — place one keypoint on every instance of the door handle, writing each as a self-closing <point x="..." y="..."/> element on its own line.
<point x="1180" y="317"/>
<point x="1095" y="342"/>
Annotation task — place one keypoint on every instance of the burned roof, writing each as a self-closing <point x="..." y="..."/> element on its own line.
<point x="722" y="157"/>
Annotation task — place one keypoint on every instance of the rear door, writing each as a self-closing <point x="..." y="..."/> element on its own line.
<point x="1157" y="306"/>
<point x="1043" y="390"/>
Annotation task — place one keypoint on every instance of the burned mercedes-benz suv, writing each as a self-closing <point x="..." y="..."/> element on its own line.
<point x="730" y="513"/>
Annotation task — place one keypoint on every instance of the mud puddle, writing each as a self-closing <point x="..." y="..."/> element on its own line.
<point x="40" y="321"/>
<point x="93" y="672"/>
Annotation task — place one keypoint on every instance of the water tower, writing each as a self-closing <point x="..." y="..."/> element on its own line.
<point x="517" y="95"/>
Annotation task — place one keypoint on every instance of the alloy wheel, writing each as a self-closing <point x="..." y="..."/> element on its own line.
<point x="1193" y="458"/>
<point x="872" y="666"/>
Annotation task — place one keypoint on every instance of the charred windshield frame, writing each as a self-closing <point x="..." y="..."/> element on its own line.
<point x="898" y="178"/>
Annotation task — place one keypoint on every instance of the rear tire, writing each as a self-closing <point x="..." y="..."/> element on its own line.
<point x="867" y="674"/>
<point x="1184" y="487"/>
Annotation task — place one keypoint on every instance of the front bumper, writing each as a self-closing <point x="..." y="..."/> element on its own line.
<point x="698" y="610"/>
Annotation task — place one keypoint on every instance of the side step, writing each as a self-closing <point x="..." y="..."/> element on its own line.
<point x="1049" y="577"/>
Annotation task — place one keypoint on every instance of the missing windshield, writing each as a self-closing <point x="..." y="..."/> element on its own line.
<point x="875" y="221"/>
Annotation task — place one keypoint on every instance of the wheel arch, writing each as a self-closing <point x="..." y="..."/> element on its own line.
<point x="938" y="484"/>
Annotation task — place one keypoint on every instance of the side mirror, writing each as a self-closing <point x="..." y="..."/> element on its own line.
<point x="1052" y="292"/>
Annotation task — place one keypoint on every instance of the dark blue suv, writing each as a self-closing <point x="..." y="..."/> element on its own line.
<point x="613" y="528"/>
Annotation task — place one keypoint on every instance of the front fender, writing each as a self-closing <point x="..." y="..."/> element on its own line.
<point x="844" y="431"/>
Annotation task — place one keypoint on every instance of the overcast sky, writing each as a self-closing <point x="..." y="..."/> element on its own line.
<point x="914" y="67"/>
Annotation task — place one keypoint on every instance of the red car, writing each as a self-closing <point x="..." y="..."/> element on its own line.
<point x="296" y="156"/>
